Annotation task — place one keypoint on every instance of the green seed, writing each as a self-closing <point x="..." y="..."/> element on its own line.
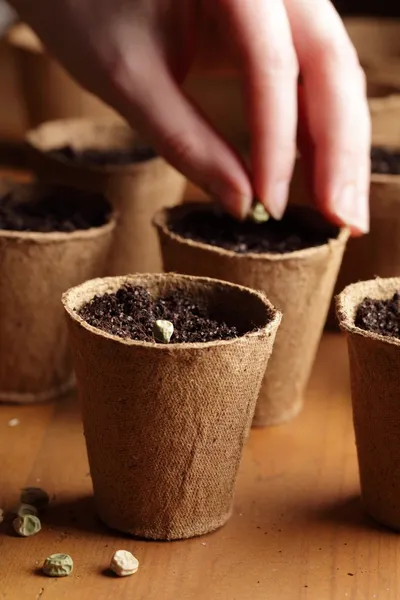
<point x="58" y="565"/>
<point x="22" y="509"/>
<point x="27" y="525"/>
<point x="35" y="496"/>
<point x="163" y="331"/>
<point x="258" y="214"/>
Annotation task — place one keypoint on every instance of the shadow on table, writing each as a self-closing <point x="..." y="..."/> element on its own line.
<point x="76" y="514"/>
<point x="349" y="514"/>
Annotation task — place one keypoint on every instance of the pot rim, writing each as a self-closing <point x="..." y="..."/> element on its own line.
<point x="118" y="280"/>
<point x="34" y="144"/>
<point x="346" y="305"/>
<point x="160" y="222"/>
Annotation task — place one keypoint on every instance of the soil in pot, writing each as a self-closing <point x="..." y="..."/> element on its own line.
<point x="277" y="237"/>
<point x="293" y="261"/>
<point x="380" y="316"/>
<point x="131" y="312"/>
<point x="55" y="209"/>
<point x="94" y="157"/>
<point x="51" y="237"/>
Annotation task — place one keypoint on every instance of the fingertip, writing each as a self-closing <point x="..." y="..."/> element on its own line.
<point x="236" y="204"/>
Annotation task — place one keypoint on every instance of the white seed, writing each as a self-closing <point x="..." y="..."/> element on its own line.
<point x="27" y="525"/>
<point x="163" y="331"/>
<point x="13" y="422"/>
<point x="58" y="565"/>
<point x="35" y="496"/>
<point x="123" y="563"/>
<point x="258" y="214"/>
<point x="22" y="509"/>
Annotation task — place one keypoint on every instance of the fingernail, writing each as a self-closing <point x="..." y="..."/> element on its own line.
<point x="352" y="208"/>
<point x="276" y="205"/>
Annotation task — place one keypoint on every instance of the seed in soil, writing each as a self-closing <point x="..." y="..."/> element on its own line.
<point x="131" y="312"/>
<point x="385" y="161"/>
<point x="123" y="563"/>
<point x="380" y="316"/>
<point x="58" y="565"/>
<point x="27" y="525"/>
<point x="54" y="209"/>
<point x="103" y="158"/>
<point x="35" y="496"/>
<point x="216" y="228"/>
<point x="163" y="331"/>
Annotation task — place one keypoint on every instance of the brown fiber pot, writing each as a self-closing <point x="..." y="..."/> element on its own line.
<point x="300" y="284"/>
<point x="35" y="269"/>
<point x="136" y="191"/>
<point x="165" y="424"/>
<point x="378" y="253"/>
<point x="375" y="384"/>
<point x="48" y="91"/>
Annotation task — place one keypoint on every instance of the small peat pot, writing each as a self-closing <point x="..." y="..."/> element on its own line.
<point x="51" y="238"/>
<point x="294" y="262"/>
<point x="165" y="423"/>
<point x="378" y="253"/>
<point x="369" y="312"/>
<point x="106" y="156"/>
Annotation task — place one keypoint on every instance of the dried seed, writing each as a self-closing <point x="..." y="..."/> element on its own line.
<point x="22" y="509"/>
<point x="27" y="525"/>
<point x="258" y="214"/>
<point x="163" y="331"/>
<point x="58" y="565"/>
<point x="35" y="496"/>
<point x="123" y="563"/>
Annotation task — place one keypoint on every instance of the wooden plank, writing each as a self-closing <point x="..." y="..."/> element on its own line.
<point x="297" y="533"/>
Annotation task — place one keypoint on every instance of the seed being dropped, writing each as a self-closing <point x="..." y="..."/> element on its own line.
<point x="123" y="563"/>
<point x="27" y="525"/>
<point x="22" y="509"/>
<point x="258" y="214"/>
<point x="35" y="496"/>
<point x="58" y="565"/>
<point x="163" y="331"/>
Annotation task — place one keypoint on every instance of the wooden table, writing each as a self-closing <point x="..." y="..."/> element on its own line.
<point x="298" y="531"/>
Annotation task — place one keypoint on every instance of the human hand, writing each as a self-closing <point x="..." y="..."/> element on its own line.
<point x="135" y="53"/>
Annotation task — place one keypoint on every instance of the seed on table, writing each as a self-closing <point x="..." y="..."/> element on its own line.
<point x="35" y="496"/>
<point x="22" y="509"/>
<point x="123" y="563"/>
<point x="58" y="565"/>
<point x="27" y="525"/>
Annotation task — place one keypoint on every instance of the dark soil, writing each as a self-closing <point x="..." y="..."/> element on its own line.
<point x="385" y="161"/>
<point x="219" y="229"/>
<point x="103" y="158"/>
<point x="131" y="313"/>
<point x="56" y="209"/>
<point x="380" y="316"/>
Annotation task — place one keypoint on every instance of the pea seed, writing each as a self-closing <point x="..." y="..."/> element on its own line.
<point x="27" y="525"/>
<point x="58" y="565"/>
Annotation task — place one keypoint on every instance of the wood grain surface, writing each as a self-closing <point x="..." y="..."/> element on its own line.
<point x="298" y="531"/>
